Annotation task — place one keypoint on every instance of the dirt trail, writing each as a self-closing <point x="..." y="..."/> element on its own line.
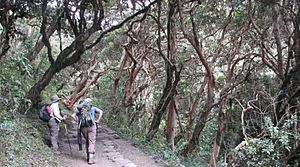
<point x="111" y="151"/>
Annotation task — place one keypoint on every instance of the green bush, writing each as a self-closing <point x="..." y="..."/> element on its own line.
<point x="269" y="150"/>
<point x="22" y="144"/>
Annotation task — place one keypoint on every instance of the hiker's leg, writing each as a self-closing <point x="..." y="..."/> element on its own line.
<point x="79" y="139"/>
<point x="87" y="146"/>
<point x="92" y="142"/>
<point x="84" y="132"/>
<point x="92" y="138"/>
<point x="53" y="133"/>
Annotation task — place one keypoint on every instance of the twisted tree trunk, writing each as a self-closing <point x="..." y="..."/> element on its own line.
<point x="287" y="100"/>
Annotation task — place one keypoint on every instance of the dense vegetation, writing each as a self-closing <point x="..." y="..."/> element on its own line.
<point x="193" y="82"/>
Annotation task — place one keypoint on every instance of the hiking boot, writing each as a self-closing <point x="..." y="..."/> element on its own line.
<point x="56" y="152"/>
<point x="91" y="159"/>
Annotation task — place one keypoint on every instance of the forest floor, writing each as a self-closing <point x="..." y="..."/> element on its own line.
<point x="111" y="151"/>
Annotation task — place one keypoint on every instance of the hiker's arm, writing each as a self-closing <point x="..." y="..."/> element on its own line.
<point x="99" y="115"/>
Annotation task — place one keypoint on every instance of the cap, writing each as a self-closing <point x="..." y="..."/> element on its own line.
<point x="54" y="98"/>
<point x="89" y="100"/>
<point x="84" y="104"/>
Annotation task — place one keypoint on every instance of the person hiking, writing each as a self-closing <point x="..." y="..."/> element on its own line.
<point x="87" y="124"/>
<point x="79" y="136"/>
<point x="53" y="123"/>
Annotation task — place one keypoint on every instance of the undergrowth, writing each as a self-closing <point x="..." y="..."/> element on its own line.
<point x="21" y="143"/>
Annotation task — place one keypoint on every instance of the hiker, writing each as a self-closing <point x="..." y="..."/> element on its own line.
<point x="53" y="123"/>
<point x="87" y="124"/>
<point x="79" y="136"/>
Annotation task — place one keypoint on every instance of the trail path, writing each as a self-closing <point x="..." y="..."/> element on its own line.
<point x="111" y="151"/>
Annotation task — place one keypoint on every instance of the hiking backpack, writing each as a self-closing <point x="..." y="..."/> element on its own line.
<point x="87" y="116"/>
<point x="45" y="112"/>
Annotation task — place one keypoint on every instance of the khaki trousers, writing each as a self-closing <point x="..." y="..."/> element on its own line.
<point x="89" y="134"/>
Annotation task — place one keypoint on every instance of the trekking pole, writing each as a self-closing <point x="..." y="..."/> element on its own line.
<point x="68" y="137"/>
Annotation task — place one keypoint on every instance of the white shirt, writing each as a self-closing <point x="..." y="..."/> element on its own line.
<point x="56" y="111"/>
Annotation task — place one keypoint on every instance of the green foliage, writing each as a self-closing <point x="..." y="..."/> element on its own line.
<point x="260" y="152"/>
<point x="18" y="75"/>
<point x="239" y="17"/>
<point x="164" y="153"/>
<point x="14" y="83"/>
<point x="101" y="93"/>
<point x="204" y="148"/>
<point x="197" y="160"/>
<point x="112" y="48"/>
<point x="269" y="150"/>
<point x="22" y="144"/>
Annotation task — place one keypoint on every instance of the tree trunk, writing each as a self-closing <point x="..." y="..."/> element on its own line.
<point x="219" y="138"/>
<point x="121" y="67"/>
<point x="86" y="87"/>
<point x="173" y="76"/>
<point x="135" y="69"/>
<point x="171" y="123"/>
<point x="39" y="45"/>
<point x="167" y="95"/>
<point x="116" y="82"/>
<point x="63" y="60"/>
<point x="193" y="40"/>
<point x="72" y="53"/>
<point x="201" y="121"/>
<point x="7" y="23"/>
<point x="194" y="108"/>
<point x="290" y="90"/>
<point x="34" y="92"/>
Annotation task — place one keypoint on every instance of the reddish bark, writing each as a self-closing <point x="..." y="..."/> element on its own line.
<point x="119" y="73"/>
<point x="194" y="107"/>
<point x="193" y="40"/>
<point x="173" y="76"/>
<point x="135" y="69"/>
<point x="167" y="95"/>
<point x="83" y="89"/>
<point x="73" y="52"/>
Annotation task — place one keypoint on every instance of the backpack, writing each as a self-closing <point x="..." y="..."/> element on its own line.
<point x="45" y="112"/>
<point x="86" y="116"/>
